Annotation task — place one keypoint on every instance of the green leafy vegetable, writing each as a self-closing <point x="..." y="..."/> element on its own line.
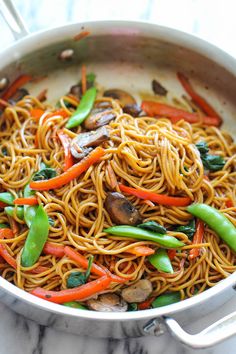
<point x="78" y="278"/>
<point x="44" y="174"/>
<point x="51" y="221"/>
<point x="133" y="307"/>
<point x="90" y="77"/>
<point x="210" y="162"/>
<point x="4" y="226"/>
<point x="153" y="226"/>
<point x="188" y="229"/>
<point x="75" y="305"/>
<point x="4" y="151"/>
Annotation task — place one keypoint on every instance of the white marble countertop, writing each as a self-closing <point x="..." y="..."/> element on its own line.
<point x="204" y="19"/>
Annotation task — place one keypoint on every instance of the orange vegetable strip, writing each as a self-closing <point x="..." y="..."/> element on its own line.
<point x="4" y="103"/>
<point x="141" y="251"/>
<point x="197" y="238"/>
<point x="80" y="293"/>
<point x="26" y="201"/>
<point x="156" y="198"/>
<point x="199" y="100"/>
<point x="3" y="205"/>
<point x="112" y="176"/>
<point x="146" y="304"/>
<point x="175" y="114"/>
<point x="65" y="140"/>
<point x="229" y="203"/>
<point x="6" y="233"/>
<point x="171" y="253"/>
<point x="81" y="35"/>
<point x="54" y="249"/>
<point x="14" y="225"/>
<point x="37" y="113"/>
<point x="83" y="262"/>
<point x="72" y="173"/>
<point x="95" y="269"/>
<point x="39" y="269"/>
<point x="83" y="79"/>
<point x="18" y="83"/>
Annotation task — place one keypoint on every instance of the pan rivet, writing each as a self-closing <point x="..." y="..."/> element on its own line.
<point x="3" y="83"/>
<point x="66" y="54"/>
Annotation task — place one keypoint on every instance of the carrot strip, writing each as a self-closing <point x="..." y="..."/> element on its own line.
<point x="81" y="35"/>
<point x="26" y="201"/>
<point x="39" y="269"/>
<point x="65" y="140"/>
<point x="6" y="233"/>
<point x="18" y="83"/>
<point x="54" y="249"/>
<point x="156" y="198"/>
<point x="80" y="293"/>
<point x="3" y="205"/>
<point x="199" y="100"/>
<point x="175" y="114"/>
<point x="146" y="304"/>
<point x="197" y="238"/>
<point x="171" y="254"/>
<point x="36" y="113"/>
<point x="229" y="203"/>
<point x="95" y="269"/>
<point x="112" y="176"/>
<point x="83" y="79"/>
<point x="72" y="173"/>
<point x="140" y="251"/>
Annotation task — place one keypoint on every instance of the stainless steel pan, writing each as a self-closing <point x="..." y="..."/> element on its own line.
<point x="126" y="55"/>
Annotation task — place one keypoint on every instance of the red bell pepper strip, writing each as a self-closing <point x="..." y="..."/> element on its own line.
<point x="156" y="198"/>
<point x="54" y="249"/>
<point x="175" y="114"/>
<point x="72" y="173"/>
<point x="197" y="238"/>
<point x="95" y="269"/>
<point x="65" y="140"/>
<point x="18" y="83"/>
<point x="171" y="254"/>
<point x="6" y="233"/>
<point x="80" y="293"/>
<point x="199" y="100"/>
<point x="146" y="304"/>
<point x="26" y="201"/>
<point x="229" y="203"/>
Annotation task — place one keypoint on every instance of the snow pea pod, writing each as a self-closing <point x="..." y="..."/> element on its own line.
<point x="36" y="238"/>
<point x="142" y="234"/>
<point x="216" y="221"/>
<point x="75" y="305"/>
<point x="29" y="211"/>
<point x="10" y="210"/>
<point x="84" y="108"/>
<point x="166" y="299"/>
<point x="161" y="261"/>
<point x="7" y="198"/>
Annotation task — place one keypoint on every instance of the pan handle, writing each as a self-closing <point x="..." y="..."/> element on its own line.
<point x="13" y="19"/>
<point x="212" y="335"/>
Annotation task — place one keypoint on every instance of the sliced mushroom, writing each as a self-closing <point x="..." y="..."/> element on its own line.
<point x="158" y="89"/>
<point x="82" y="144"/>
<point x="108" y="303"/>
<point x="124" y="97"/>
<point x="132" y="109"/>
<point x="121" y="210"/>
<point x="138" y="292"/>
<point x="98" y="118"/>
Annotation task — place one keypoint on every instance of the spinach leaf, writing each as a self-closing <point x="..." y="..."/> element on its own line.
<point x="90" y="77"/>
<point x="78" y="278"/>
<point x="210" y="162"/>
<point x="188" y="229"/>
<point x="51" y="221"/>
<point x="4" y="151"/>
<point x="213" y="162"/>
<point x="133" y="307"/>
<point x="4" y="226"/>
<point x="153" y="226"/>
<point x="202" y="147"/>
<point x="45" y="173"/>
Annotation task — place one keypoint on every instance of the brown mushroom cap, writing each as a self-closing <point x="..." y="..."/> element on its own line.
<point x="137" y="292"/>
<point x="82" y="143"/>
<point x="99" y="117"/>
<point x="124" y="97"/>
<point x="107" y="303"/>
<point x="121" y="210"/>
